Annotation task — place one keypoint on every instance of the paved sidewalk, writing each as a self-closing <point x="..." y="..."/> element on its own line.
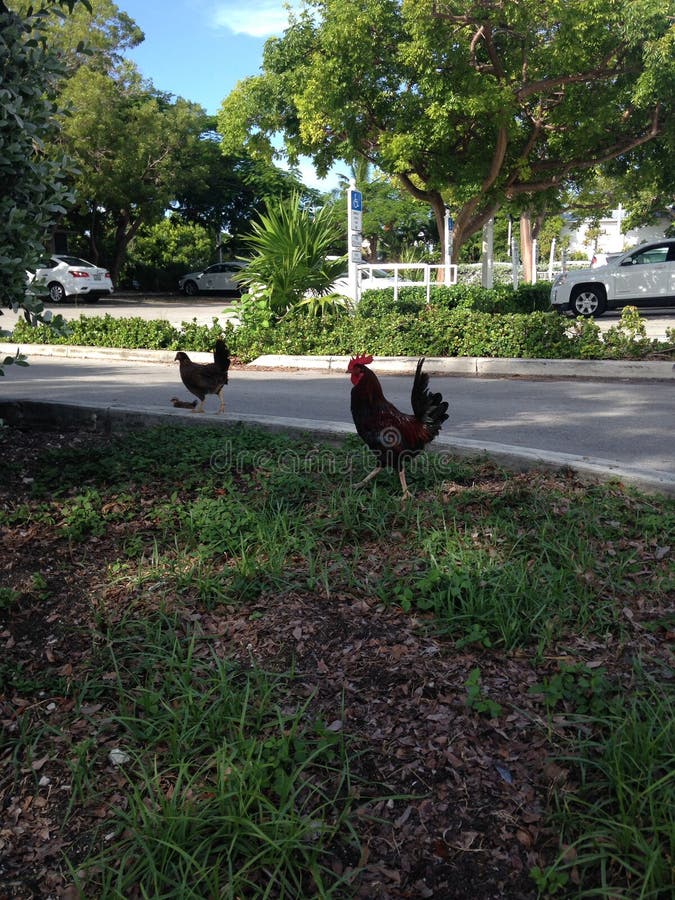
<point x="538" y="408"/>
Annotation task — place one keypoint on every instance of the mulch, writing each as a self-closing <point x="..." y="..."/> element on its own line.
<point x="461" y="799"/>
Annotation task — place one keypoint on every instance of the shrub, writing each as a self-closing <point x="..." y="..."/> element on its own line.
<point x="451" y="327"/>
<point x="132" y="333"/>
<point x="527" y="298"/>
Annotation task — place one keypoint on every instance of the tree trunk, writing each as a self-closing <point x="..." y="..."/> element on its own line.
<point x="124" y="233"/>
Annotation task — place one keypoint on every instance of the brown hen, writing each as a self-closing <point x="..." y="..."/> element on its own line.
<point x="206" y="378"/>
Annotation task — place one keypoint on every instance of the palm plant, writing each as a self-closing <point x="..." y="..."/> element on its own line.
<point x="289" y="249"/>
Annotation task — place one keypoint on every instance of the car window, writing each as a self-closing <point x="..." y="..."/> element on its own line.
<point x="76" y="261"/>
<point x="651" y="256"/>
<point x="47" y="264"/>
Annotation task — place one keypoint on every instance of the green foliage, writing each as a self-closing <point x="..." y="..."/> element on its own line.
<point x="231" y="778"/>
<point x="82" y="517"/>
<point x="34" y="192"/>
<point x="288" y="252"/>
<point x="477" y="699"/>
<point x="526" y="298"/>
<point x="8" y="597"/>
<point x="134" y="150"/>
<point x="135" y="332"/>
<point x="466" y="321"/>
<point x="469" y="104"/>
<point x="161" y="253"/>
<point x="617" y="827"/>
<point x="628" y="338"/>
<point x="257" y="795"/>
<point x="580" y="689"/>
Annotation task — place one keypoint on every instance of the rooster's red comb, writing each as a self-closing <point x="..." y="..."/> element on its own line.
<point x="360" y="361"/>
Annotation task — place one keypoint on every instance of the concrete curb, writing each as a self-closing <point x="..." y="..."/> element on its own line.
<point x="483" y="366"/>
<point x="513" y="458"/>
<point x="658" y="370"/>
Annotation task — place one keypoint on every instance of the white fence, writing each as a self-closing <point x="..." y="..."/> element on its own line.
<point x="403" y="275"/>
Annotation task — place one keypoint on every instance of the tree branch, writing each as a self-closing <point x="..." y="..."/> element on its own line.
<point x="564" y="169"/>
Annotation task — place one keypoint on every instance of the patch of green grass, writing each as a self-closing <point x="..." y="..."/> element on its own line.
<point x="230" y="784"/>
<point x="617" y="825"/>
<point x="226" y="794"/>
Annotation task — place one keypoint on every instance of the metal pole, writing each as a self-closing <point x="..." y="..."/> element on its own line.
<point x="551" y="259"/>
<point x="354" y="208"/>
<point x="448" y="234"/>
<point x="535" y="255"/>
<point x="515" y="262"/>
<point x="488" y="253"/>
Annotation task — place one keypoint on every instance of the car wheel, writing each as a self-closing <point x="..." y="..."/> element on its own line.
<point x="191" y="288"/>
<point x="56" y="292"/>
<point x="588" y="301"/>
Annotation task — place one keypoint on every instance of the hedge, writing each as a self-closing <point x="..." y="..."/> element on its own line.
<point x="459" y="321"/>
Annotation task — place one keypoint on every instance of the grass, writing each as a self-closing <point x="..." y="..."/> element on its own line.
<point x="226" y="795"/>
<point x="232" y="784"/>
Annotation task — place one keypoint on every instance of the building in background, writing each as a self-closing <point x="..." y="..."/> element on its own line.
<point x="605" y="235"/>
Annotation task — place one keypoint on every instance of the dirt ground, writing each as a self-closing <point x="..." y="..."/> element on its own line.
<point x="473" y="821"/>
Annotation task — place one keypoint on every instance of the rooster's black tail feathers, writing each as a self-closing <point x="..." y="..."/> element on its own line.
<point x="221" y="356"/>
<point x="430" y="409"/>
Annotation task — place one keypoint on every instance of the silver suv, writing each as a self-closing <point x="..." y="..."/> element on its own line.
<point x="643" y="276"/>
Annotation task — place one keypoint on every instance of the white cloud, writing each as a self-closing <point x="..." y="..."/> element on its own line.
<point x="259" y="18"/>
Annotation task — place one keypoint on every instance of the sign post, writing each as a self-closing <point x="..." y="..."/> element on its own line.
<point x="354" y="225"/>
<point x="448" y="236"/>
<point x="488" y="254"/>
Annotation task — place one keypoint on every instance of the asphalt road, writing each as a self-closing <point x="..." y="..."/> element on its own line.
<point x="617" y="424"/>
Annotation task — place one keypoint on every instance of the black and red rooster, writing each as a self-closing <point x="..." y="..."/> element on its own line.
<point x="393" y="436"/>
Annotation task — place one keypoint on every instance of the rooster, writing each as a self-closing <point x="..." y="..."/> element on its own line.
<point x="205" y="378"/>
<point x="393" y="436"/>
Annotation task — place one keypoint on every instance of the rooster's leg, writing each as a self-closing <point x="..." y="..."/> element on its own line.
<point x="221" y="408"/>
<point x="376" y="471"/>
<point x="404" y="484"/>
<point x="200" y="408"/>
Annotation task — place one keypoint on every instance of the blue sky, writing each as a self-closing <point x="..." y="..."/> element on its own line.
<point x="200" y="49"/>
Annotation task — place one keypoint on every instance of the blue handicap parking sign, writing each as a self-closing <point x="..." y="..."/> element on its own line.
<point x="357" y="200"/>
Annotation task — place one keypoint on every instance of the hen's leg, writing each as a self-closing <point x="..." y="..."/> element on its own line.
<point x="376" y="471"/>
<point x="404" y="484"/>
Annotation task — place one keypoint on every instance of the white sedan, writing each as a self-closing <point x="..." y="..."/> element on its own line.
<point x="62" y="276"/>
<point x="218" y="279"/>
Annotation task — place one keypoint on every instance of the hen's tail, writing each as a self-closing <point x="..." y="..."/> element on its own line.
<point x="221" y="356"/>
<point x="430" y="409"/>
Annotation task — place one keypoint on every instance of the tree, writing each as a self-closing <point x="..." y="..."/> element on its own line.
<point x="97" y="25"/>
<point x="33" y="186"/>
<point x="225" y="193"/>
<point x="133" y="146"/>
<point x="470" y="104"/>
<point x="161" y="253"/>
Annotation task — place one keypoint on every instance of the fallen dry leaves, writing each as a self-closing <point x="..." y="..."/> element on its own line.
<point x="462" y="798"/>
